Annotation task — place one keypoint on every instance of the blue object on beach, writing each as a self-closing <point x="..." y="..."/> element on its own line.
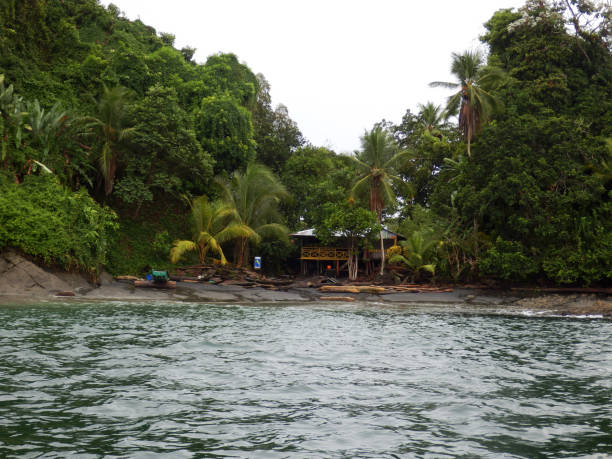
<point x="257" y="263"/>
<point x="149" y="277"/>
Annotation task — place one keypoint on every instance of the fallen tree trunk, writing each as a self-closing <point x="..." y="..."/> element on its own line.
<point x="339" y="288"/>
<point x="370" y="289"/>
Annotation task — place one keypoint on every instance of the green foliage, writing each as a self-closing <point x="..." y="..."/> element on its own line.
<point x="162" y="243"/>
<point x="474" y="103"/>
<point x="533" y="186"/>
<point x="432" y="139"/>
<point x="214" y="224"/>
<point x="351" y="222"/>
<point x="377" y="164"/>
<point x="315" y="175"/>
<point x="225" y="131"/>
<point x="253" y="196"/>
<point x="225" y="75"/>
<point x="60" y="227"/>
<point x="507" y="260"/>
<point x="166" y="156"/>
<point x="141" y="244"/>
<point x="276" y="255"/>
<point x="109" y="130"/>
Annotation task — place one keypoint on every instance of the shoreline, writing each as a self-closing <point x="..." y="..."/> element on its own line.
<point x="459" y="300"/>
<point x="23" y="282"/>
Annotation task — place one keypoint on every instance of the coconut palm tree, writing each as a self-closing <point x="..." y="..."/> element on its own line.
<point x="473" y="102"/>
<point x="254" y="196"/>
<point x="214" y="224"/>
<point x="431" y="118"/>
<point x="109" y="127"/>
<point x="377" y="163"/>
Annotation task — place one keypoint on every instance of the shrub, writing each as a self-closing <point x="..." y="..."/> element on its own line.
<point x="507" y="260"/>
<point x="42" y="218"/>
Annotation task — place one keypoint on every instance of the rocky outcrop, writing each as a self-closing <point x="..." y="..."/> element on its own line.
<point x="19" y="276"/>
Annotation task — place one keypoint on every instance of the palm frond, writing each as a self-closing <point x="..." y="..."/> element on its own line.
<point x="273" y="231"/>
<point x="444" y="84"/>
<point x="399" y="159"/>
<point x="179" y="248"/>
<point x="235" y="231"/>
<point x="360" y="186"/>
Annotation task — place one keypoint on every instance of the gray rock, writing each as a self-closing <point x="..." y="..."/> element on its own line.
<point x="105" y="278"/>
<point x="268" y="295"/>
<point x="213" y="296"/>
<point x="443" y="297"/>
<point x="19" y="276"/>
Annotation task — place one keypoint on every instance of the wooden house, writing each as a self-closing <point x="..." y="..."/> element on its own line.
<point x="316" y="258"/>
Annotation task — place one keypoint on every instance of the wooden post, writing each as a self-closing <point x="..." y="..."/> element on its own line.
<point x="337" y="268"/>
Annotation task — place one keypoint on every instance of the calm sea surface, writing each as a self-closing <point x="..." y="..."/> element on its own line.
<point x="325" y="381"/>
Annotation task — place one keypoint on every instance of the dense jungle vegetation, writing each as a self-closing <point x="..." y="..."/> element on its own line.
<point x="118" y="151"/>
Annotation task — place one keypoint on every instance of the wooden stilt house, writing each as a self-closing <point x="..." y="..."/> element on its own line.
<point x="316" y="258"/>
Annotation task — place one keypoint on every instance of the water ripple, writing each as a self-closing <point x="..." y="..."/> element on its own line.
<point x="176" y="380"/>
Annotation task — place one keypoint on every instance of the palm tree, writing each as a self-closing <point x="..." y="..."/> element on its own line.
<point x="109" y="127"/>
<point x="377" y="164"/>
<point x="431" y="118"/>
<point x="473" y="102"/>
<point x="254" y="196"/>
<point x="214" y="223"/>
<point x="418" y="253"/>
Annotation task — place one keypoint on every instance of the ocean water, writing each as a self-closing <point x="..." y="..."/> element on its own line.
<point x="362" y="380"/>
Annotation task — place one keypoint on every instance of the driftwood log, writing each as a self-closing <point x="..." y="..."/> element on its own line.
<point x="339" y="288"/>
<point x="352" y="289"/>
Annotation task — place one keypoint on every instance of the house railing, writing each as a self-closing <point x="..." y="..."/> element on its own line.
<point x="324" y="253"/>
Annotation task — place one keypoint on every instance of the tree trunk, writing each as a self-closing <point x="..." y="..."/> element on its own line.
<point x="243" y="251"/>
<point x="475" y="238"/>
<point x="469" y="139"/>
<point x="353" y="262"/>
<point x="382" y="254"/>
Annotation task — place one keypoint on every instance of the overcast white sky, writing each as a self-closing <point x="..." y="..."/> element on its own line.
<point x="338" y="65"/>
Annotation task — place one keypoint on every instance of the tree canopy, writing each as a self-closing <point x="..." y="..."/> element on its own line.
<point x="509" y="182"/>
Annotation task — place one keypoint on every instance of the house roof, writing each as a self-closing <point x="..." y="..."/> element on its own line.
<point x="311" y="233"/>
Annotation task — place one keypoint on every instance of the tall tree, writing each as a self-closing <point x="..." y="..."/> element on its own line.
<point x="225" y="131"/>
<point x="473" y="102"/>
<point x="377" y="164"/>
<point x="431" y="138"/>
<point x="108" y="126"/>
<point x="165" y="156"/>
<point x="254" y="196"/>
